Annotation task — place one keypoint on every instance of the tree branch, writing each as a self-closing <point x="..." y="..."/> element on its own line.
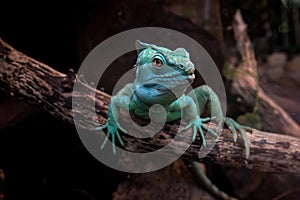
<point x="245" y="85"/>
<point x="41" y="85"/>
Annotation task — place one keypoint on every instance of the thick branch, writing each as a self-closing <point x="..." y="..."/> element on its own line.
<point x="41" y="85"/>
<point x="246" y="86"/>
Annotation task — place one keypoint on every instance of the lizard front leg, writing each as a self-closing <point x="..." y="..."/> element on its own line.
<point x="120" y="101"/>
<point x="189" y="107"/>
<point x="207" y="98"/>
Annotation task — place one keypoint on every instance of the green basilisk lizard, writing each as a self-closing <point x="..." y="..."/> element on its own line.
<point x="162" y="77"/>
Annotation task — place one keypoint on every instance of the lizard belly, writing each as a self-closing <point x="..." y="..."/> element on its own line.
<point x="157" y="116"/>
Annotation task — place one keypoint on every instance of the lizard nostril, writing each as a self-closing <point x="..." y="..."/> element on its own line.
<point x="190" y="70"/>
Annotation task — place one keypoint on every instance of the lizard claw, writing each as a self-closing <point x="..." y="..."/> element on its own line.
<point x="236" y="127"/>
<point x="198" y="125"/>
<point x="121" y="128"/>
<point x="100" y="128"/>
<point x="112" y="131"/>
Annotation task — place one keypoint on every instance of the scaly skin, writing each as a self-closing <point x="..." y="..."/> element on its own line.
<point x="162" y="77"/>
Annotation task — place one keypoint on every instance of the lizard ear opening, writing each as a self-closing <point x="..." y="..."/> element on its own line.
<point x="140" y="46"/>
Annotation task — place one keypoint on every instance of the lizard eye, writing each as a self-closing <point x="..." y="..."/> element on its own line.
<point x="157" y="62"/>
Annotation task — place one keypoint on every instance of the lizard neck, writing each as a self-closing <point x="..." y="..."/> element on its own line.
<point x="139" y="102"/>
<point x="155" y="94"/>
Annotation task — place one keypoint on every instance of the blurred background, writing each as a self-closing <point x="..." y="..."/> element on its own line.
<point x="43" y="158"/>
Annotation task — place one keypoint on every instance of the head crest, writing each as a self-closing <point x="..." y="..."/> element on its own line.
<point x="140" y="46"/>
<point x="182" y="52"/>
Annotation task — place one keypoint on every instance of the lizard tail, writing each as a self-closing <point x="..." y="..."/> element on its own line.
<point x="201" y="176"/>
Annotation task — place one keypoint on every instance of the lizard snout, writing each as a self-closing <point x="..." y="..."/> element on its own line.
<point x="190" y="72"/>
<point x="188" y="68"/>
<point x="191" y="77"/>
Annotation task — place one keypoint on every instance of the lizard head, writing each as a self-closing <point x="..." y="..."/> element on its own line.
<point x="162" y="75"/>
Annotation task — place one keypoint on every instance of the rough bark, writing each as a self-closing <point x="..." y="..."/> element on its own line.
<point x="51" y="90"/>
<point x="246" y="86"/>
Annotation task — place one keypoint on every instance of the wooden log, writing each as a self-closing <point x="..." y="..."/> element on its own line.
<point x="39" y="84"/>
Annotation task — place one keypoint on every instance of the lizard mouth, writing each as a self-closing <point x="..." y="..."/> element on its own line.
<point x="157" y="86"/>
<point x="191" y="78"/>
<point x="171" y="81"/>
<point x="162" y="89"/>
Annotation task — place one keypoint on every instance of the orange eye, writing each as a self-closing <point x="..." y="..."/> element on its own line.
<point x="157" y="62"/>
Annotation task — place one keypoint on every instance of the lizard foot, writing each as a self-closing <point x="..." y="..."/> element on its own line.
<point x="236" y="127"/>
<point x="112" y="130"/>
<point x="197" y="124"/>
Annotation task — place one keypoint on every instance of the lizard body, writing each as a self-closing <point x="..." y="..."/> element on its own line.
<point x="162" y="77"/>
